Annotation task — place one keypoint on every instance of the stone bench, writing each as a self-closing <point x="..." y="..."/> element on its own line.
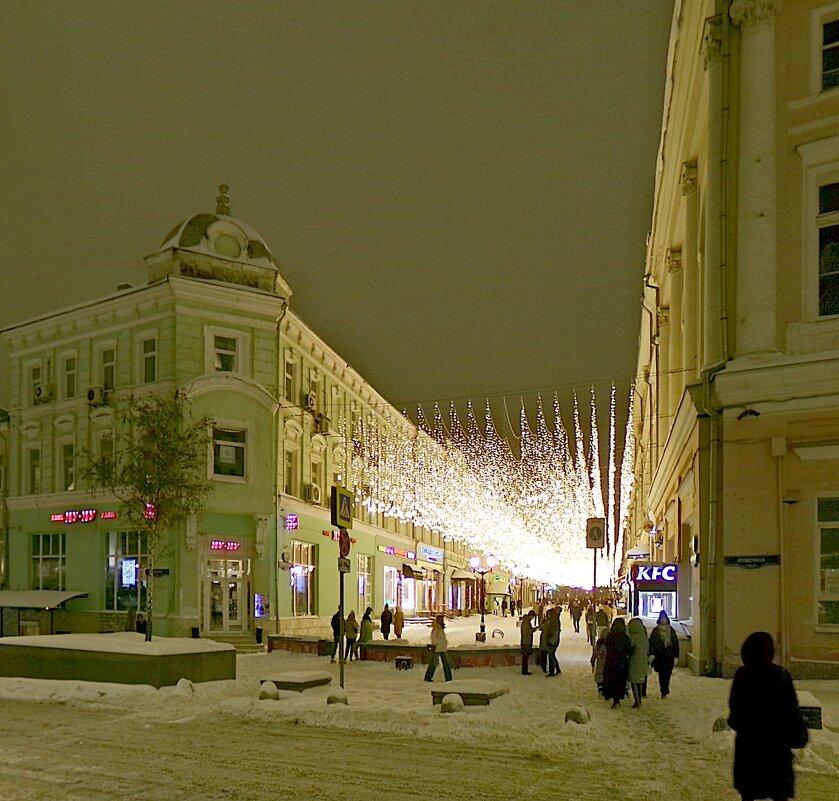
<point x="473" y="692"/>
<point x="811" y="709"/>
<point x="298" y="682"/>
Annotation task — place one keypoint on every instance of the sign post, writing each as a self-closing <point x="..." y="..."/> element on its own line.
<point x="595" y="537"/>
<point x="341" y="514"/>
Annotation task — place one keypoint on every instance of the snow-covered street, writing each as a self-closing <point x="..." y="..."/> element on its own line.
<point x="84" y="742"/>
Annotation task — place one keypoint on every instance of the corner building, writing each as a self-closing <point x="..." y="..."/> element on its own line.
<point x="213" y="321"/>
<point x="737" y="391"/>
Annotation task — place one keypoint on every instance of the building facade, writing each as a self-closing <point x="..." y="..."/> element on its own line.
<point x="737" y="391"/>
<point x="288" y="413"/>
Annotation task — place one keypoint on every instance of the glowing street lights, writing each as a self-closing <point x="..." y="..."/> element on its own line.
<point x="482" y="565"/>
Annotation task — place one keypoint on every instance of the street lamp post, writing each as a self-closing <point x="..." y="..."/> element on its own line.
<point x="482" y="565"/>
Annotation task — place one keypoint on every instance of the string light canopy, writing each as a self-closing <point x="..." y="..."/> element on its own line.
<point x="464" y="480"/>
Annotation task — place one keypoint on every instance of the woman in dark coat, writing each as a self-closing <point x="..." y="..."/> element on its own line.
<point x="764" y="713"/>
<point x="386" y="620"/>
<point x="664" y="649"/>
<point x="616" y="668"/>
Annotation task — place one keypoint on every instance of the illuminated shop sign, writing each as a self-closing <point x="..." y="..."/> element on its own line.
<point x="431" y="554"/>
<point x="81" y="516"/>
<point x="642" y="573"/>
<point x="129" y="572"/>
<point x="224" y="545"/>
<point x="335" y="536"/>
<point x="400" y="552"/>
<point x="292" y="522"/>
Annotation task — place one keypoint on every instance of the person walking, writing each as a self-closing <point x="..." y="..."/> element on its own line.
<point x="616" y="667"/>
<point x="664" y="649"/>
<point x="398" y="622"/>
<point x="591" y="624"/>
<point x="440" y="649"/>
<point x="763" y="711"/>
<point x="598" y="659"/>
<point x="550" y="640"/>
<point x="351" y="633"/>
<point x="386" y="621"/>
<point x="601" y="617"/>
<point x="518" y="607"/>
<point x="576" y="611"/>
<point x="336" y="635"/>
<point x="638" y="664"/>
<point x="526" y="641"/>
<point x="366" y="633"/>
<point x="504" y="606"/>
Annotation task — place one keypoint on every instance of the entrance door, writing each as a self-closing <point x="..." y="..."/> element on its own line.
<point x="226" y="591"/>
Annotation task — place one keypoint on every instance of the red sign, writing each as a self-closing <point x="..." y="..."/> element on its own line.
<point x="80" y="516"/>
<point x="224" y="545"/>
<point x="344" y="543"/>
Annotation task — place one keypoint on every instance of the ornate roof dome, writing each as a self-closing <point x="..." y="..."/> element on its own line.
<point x="225" y="249"/>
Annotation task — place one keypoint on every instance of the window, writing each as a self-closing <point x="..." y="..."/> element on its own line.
<point x="67" y="466"/>
<point x="228" y="453"/>
<point x="70" y="367"/>
<point x="105" y="445"/>
<point x="34" y="383"/>
<point x="828" y="593"/>
<point x="364" y="565"/>
<point x="33" y="471"/>
<point x="224" y="350"/>
<point x="290" y="472"/>
<point x="2" y="473"/>
<point x="828" y="224"/>
<point x="391" y="586"/>
<point x="108" y="367"/>
<point x="302" y="578"/>
<point x="48" y="562"/>
<point x="126" y="580"/>
<point x="290" y="377"/>
<point x="830" y="54"/>
<point x="148" y="348"/>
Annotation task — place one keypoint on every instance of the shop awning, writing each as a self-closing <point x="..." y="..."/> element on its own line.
<point x="638" y="552"/>
<point x="36" y="599"/>
<point x="411" y="572"/>
<point x="459" y="574"/>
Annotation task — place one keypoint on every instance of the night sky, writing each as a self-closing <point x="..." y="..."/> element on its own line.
<point x="458" y="192"/>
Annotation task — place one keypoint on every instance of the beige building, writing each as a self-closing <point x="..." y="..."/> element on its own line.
<point x="737" y="393"/>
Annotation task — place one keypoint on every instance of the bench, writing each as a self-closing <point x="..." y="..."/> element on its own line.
<point x="299" y="681"/>
<point x="404" y="662"/>
<point x="811" y="709"/>
<point x="473" y="692"/>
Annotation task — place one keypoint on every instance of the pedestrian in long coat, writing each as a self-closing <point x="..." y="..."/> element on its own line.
<point x="664" y="648"/>
<point x="598" y="659"/>
<point x="386" y="621"/>
<point x="351" y="633"/>
<point x="764" y="713"/>
<point x="526" y="641"/>
<point x="638" y="662"/>
<point x="398" y="622"/>
<point x="616" y="668"/>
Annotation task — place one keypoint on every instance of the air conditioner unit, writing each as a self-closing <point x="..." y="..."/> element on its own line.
<point x="321" y="424"/>
<point x="310" y="401"/>
<point x="43" y="393"/>
<point x="95" y="396"/>
<point x="313" y="493"/>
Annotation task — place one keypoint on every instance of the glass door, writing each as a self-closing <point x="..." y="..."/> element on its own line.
<point x="225" y="596"/>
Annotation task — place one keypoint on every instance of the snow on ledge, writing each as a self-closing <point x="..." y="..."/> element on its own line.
<point x="120" y="642"/>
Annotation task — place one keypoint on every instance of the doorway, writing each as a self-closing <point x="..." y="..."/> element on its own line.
<point x="226" y="594"/>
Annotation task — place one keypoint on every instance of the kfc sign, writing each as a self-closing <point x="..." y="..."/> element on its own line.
<point x="654" y="573"/>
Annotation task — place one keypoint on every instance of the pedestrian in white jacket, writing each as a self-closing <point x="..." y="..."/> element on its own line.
<point x="439" y="647"/>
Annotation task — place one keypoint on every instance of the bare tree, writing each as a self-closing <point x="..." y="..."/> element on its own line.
<point x="157" y="469"/>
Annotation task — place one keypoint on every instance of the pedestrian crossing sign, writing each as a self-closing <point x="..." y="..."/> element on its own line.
<point x="341" y="508"/>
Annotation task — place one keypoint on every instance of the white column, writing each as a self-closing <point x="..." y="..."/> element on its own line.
<point x="673" y="261"/>
<point x="711" y="324"/>
<point x="756" y="195"/>
<point x="690" y="350"/>
<point x="663" y="378"/>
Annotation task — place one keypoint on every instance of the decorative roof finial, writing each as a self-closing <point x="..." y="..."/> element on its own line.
<point x="223" y="200"/>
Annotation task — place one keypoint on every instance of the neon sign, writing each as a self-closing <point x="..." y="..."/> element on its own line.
<point x="655" y="572"/>
<point x="400" y="552"/>
<point x="336" y="536"/>
<point x="224" y="545"/>
<point x="292" y="522"/>
<point x="80" y="516"/>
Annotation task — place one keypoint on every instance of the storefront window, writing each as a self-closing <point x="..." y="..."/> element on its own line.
<point x="126" y="580"/>
<point x="303" y="578"/>
<point x="828" y="592"/>
<point x="365" y="580"/>
<point x="391" y="585"/>
<point x="48" y="556"/>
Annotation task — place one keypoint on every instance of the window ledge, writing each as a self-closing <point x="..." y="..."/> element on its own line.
<point x="230" y="479"/>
